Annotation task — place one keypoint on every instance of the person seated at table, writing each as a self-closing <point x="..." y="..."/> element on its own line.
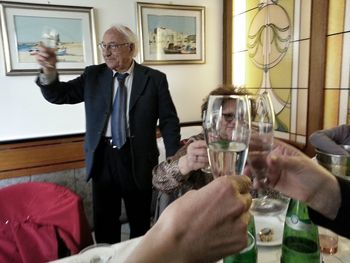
<point x="299" y="177"/>
<point x="331" y="140"/>
<point x="203" y="225"/>
<point x="182" y="172"/>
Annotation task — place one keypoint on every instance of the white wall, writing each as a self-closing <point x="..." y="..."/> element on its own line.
<point x="25" y="114"/>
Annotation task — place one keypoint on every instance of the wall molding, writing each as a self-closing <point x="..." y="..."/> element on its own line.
<point x="25" y="158"/>
<point x="38" y="156"/>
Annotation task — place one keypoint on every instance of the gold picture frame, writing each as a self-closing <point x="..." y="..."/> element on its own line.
<point x="171" y="34"/>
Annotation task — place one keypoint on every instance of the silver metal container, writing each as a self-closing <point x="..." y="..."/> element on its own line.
<point x="337" y="164"/>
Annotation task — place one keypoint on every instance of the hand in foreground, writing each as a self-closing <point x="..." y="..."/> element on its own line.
<point x="46" y="57"/>
<point x="195" y="158"/>
<point x="296" y="175"/>
<point x="201" y="226"/>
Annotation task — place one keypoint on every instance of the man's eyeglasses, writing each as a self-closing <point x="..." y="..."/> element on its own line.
<point x="228" y="116"/>
<point x="112" y="46"/>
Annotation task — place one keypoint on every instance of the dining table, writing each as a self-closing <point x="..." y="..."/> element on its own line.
<point x="273" y="254"/>
<point x="267" y="252"/>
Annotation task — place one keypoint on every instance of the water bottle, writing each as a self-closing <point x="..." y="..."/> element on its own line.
<point x="300" y="236"/>
<point x="250" y="253"/>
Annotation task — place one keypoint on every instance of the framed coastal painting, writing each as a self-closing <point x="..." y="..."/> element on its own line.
<point x="71" y="29"/>
<point x="171" y="34"/>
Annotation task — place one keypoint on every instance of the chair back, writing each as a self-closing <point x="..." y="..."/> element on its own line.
<point x="36" y="217"/>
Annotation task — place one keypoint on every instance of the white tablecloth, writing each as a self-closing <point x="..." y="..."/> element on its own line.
<point x="119" y="253"/>
<point x="265" y="254"/>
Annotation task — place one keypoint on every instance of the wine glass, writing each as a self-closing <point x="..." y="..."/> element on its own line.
<point x="227" y="132"/>
<point x="206" y="169"/>
<point x="50" y="37"/>
<point x="266" y="201"/>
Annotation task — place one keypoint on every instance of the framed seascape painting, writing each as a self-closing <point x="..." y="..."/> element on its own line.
<point x="171" y="34"/>
<point x="70" y="28"/>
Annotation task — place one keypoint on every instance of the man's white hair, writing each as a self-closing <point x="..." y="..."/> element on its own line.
<point x="131" y="37"/>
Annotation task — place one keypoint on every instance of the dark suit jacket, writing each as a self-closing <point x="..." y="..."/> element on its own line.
<point x="150" y="100"/>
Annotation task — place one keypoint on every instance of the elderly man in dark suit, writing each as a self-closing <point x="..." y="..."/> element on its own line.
<point x="120" y="151"/>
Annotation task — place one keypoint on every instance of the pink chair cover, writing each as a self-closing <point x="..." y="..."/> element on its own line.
<point x="31" y="216"/>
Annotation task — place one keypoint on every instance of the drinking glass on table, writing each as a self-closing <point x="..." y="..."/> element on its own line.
<point x="227" y="132"/>
<point x="266" y="201"/>
<point x="328" y="241"/>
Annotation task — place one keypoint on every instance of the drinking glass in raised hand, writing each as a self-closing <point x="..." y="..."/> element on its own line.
<point x="265" y="200"/>
<point x="206" y="169"/>
<point x="227" y="132"/>
<point x="49" y="37"/>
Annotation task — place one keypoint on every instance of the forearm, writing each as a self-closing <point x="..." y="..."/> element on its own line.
<point x="184" y="169"/>
<point x="167" y="176"/>
<point x="59" y="92"/>
<point x="47" y="77"/>
<point x="340" y="223"/>
<point x="158" y="245"/>
<point x="327" y="199"/>
<point x="330" y="140"/>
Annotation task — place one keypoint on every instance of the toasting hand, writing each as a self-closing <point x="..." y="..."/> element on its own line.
<point x="202" y="226"/>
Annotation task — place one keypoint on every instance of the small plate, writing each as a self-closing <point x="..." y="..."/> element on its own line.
<point x="275" y="223"/>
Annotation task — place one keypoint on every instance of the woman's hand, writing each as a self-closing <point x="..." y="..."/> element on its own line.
<point x="195" y="158"/>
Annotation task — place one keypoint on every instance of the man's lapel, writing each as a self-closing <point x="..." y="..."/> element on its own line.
<point x="106" y="83"/>
<point x="138" y="85"/>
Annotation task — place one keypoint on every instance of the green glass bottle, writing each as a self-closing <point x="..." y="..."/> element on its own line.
<point x="250" y="253"/>
<point x="300" y="236"/>
<point x="251" y="226"/>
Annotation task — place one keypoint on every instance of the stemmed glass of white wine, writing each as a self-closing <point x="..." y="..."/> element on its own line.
<point x="227" y="132"/>
<point x="266" y="201"/>
<point x="49" y="37"/>
<point x="206" y="169"/>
